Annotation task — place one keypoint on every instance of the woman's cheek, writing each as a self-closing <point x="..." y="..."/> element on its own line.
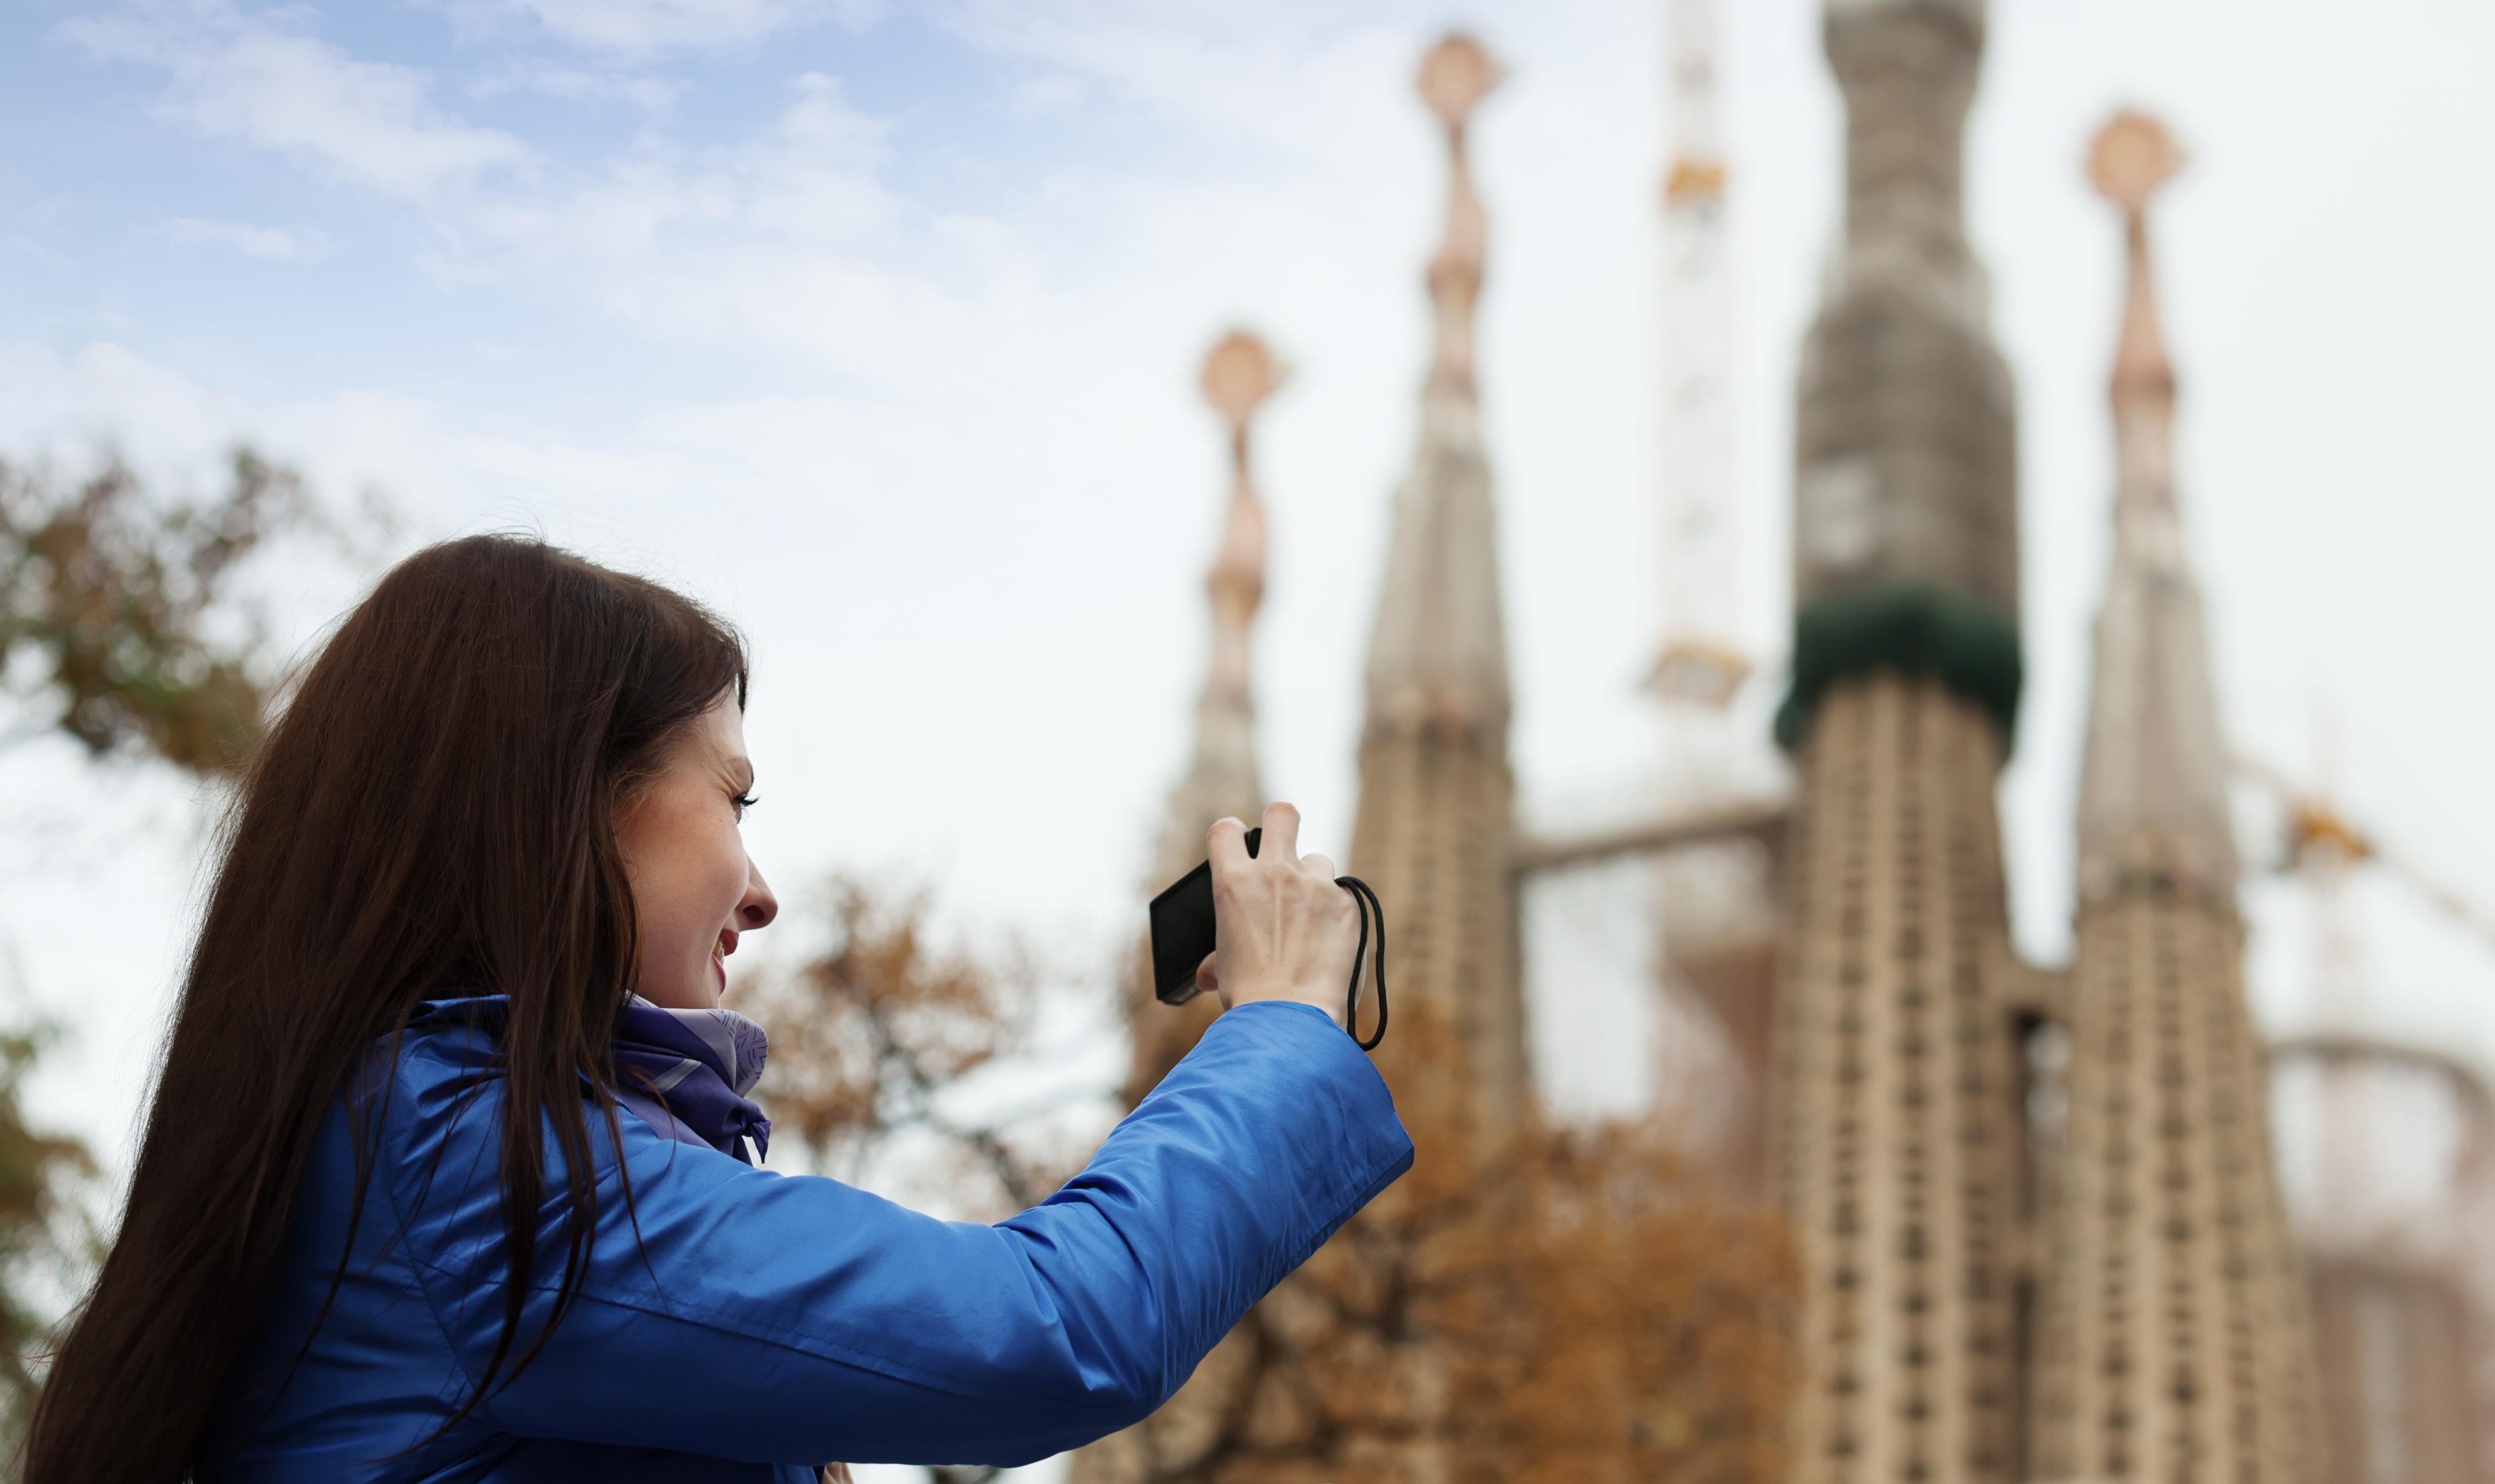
<point x="734" y="871"/>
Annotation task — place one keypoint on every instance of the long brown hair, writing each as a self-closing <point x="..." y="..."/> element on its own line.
<point x="432" y="813"/>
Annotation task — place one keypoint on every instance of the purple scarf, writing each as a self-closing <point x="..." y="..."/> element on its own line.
<point x="686" y="1073"/>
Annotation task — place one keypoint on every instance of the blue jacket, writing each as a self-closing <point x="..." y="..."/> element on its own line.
<point x="762" y="1323"/>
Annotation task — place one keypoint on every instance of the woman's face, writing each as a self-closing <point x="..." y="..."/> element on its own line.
<point x="694" y="887"/>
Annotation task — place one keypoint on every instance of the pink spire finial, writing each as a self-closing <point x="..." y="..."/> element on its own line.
<point x="1454" y="76"/>
<point x="1238" y="374"/>
<point x="2132" y="157"/>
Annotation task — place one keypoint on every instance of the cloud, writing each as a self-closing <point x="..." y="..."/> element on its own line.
<point x="275" y="244"/>
<point x="656" y="27"/>
<point x="109" y="393"/>
<point x="791" y="233"/>
<point x="1051" y="93"/>
<point x="792" y="236"/>
<point x="807" y="236"/>
<point x="1291" y="72"/>
<point x="256" y="79"/>
<point x="647" y="91"/>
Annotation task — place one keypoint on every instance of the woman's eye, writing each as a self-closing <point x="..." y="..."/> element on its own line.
<point x="746" y="801"/>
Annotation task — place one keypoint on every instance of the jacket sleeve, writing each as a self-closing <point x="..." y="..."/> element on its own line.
<point x="744" y="1315"/>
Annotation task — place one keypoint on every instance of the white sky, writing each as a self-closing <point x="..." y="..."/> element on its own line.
<point x="877" y="326"/>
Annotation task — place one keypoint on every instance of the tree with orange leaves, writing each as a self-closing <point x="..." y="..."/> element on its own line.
<point x="875" y="1040"/>
<point x="119" y="626"/>
<point x="1547" y="1304"/>
<point x="120" y="597"/>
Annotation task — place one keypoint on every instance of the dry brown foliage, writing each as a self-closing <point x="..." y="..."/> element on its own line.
<point x="120" y="594"/>
<point x="1159" y="1035"/>
<point x="45" y="1239"/>
<point x="1537" y="1305"/>
<point x="872" y="1039"/>
<point x="124" y="603"/>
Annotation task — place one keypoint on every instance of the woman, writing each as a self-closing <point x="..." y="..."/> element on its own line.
<point x="409" y="1205"/>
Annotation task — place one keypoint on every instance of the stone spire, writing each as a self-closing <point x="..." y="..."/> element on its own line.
<point x="1435" y="791"/>
<point x="1221" y="778"/>
<point x="2175" y="1341"/>
<point x="1895" y="1112"/>
<point x="2153" y="789"/>
<point x="1330" y="1376"/>
<point x="1437" y="657"/>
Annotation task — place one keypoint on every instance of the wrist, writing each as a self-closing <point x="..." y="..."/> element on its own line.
<point x="1327" y="1001"/>
<point x="1333" y="1015"/>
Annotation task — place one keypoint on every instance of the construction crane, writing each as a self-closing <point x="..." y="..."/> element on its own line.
<point x="1711" y="899"/>
<point x="1699" y="852"/>
<point x="1701" y="665"/>
<point x="2319" y="843"/>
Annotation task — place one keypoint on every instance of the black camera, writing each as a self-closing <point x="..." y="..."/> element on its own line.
<point x="1182" y="934"/>
<point x="1183" y="929"/>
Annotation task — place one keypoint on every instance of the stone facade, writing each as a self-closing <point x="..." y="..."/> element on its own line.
<point x="2176" y="1345"/>
<point x="1895" y="1114"/>
<point x="2397" y="1360"/>
<point x="1895" y="1106"/>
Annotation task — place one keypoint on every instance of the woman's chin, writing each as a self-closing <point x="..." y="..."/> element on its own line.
<point x="688" y="993"/>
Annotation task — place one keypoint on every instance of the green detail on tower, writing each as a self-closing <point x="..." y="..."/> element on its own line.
<point x="1908" y="629"/>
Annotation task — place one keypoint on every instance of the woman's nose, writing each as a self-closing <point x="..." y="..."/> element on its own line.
<point x="759" y="905"/>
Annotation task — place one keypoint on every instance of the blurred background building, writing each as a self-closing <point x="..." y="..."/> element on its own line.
<point x="2062" y="1225"/>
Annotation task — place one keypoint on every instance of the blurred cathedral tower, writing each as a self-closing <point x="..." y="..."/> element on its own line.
<point x="1436" y="792"/>
<point x="1221" y="778"/>
<point x="2175" y="1343"/>
<point x="1433" y="837"/>
<point x="1895" y="1106"/>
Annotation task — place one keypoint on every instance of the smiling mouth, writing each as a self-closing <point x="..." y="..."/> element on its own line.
<point x="720" y="950"/>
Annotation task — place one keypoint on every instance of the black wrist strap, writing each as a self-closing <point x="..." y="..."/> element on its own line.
<point x="1359" y="959"/>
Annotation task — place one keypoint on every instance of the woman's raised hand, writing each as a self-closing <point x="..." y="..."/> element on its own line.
<point x="1282" y="929"/>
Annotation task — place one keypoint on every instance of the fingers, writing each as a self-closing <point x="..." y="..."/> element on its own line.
<point x="1225" y="844"/>
<point x="1282" y="929"/>
<point x="1282" y="840"/>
